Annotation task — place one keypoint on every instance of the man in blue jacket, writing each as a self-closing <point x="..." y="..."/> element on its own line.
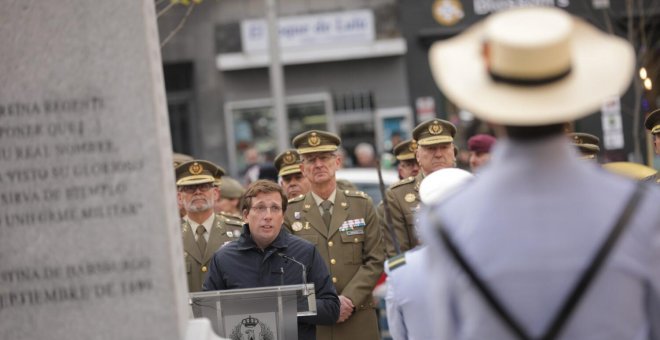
<point x="264" y="256"/>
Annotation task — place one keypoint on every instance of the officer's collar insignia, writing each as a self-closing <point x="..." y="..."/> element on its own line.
<point x="435" y="128"/>
<point x="314" y="139"/>
<point x="343" y="204"/>
<point x="289" y="158"/>
<point x="196" y="168"/>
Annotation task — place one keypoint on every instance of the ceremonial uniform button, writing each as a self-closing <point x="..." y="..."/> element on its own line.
<point x="330" y="243"/>
<point x="333" y="261"/>
<point x="204" y="269"/>
<point x="334" y="279"/>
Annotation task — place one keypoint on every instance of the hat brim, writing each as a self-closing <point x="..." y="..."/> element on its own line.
<point x="290" y="169"/>
<point x="435" y="140"/>
<point x="602" y="67"/>
<point x="193" y="180"/>
<point x="405" y="156"/>
<point x="322" y="148"/>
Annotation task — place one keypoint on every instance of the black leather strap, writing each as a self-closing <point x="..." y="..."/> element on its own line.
<point x="564" y="313"/>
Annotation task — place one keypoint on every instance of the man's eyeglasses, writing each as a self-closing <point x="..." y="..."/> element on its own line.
<point x="190" y="189"/>
<point x="262" y="209"/>
<point x="323" y="158"/>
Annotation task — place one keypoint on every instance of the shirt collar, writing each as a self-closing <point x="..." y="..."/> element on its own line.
<point x="319" y="200"/>
<point x="208" y="223"/>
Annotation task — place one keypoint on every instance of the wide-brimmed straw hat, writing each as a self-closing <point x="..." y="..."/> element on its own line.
<point x="532" y="66"/>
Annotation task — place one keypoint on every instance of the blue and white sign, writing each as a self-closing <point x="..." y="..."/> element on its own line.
<point x="309" y="31"/>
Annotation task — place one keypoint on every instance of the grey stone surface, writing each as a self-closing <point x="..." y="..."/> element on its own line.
<point x="90" y="245"/>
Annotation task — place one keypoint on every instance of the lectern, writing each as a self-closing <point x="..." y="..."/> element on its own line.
<point x="268" y="313"/>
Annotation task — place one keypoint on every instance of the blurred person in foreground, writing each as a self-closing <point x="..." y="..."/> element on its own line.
<point x="479" y="146"/>
<point x="407" y="285"/>
<point x="259" y="257"/>
<point x="291" y="178"/>
<point x="652" y="123"/>
<point x="510" y="247"/>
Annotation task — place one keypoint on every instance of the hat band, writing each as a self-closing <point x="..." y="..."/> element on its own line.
<point x="405" y="156"/>
<point x="656" y="129"/>
<point x="528" y="82"/>
<point x="290" y="169"/>
<point x="322" y="148"/>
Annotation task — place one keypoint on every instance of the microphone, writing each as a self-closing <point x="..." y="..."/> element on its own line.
<point x="304" y="271"/>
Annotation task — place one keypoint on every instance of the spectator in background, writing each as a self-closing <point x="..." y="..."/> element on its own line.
<point x="479" y="147"/>
<point x="365" y="155"/>
<point x="229" y="198"/>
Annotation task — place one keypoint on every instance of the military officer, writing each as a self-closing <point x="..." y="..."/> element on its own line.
<point x="435" y="150"/>
<point x="203" y="231"/>
<point x="652" y="123"/>
<point x="344" y="227"/>
<point x="291" y="178"/>
<point x="230" y="192"/>
<point x="587" y="144"/>
<point x="405" y="155"/>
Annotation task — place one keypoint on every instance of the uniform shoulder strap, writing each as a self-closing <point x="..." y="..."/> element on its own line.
<point x="569" y="304"/>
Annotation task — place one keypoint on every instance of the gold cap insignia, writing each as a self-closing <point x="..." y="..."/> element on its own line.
<point x="578" y="140"/>
<point x="196" y="168"/>
<point x="314" y="139"/>
<point x="413" y="145"/>
<point x="289" y="158"/>
<point x="297" y="226"/>
<point x="410" y="197"/>
<point x="435" y="128"/>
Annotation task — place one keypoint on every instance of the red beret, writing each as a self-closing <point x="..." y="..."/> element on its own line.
<point x="481" y="143"/>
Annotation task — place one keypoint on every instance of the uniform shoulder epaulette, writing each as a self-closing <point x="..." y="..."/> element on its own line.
<point x="402" y="182"/>
<point x="233" y="222"/>
<point x="353" y="193"/>
<point x="396" y="262"/>
<point x="297" y="198"/>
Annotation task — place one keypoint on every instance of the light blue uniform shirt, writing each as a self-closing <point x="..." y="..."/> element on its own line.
<point x="407" y="298"/>
<point x="529" y="225"/>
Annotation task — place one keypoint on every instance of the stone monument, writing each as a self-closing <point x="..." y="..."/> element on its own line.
<point x="90" y="246"/>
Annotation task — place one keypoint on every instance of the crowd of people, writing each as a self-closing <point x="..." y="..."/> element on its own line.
<point x="538" y="242"/>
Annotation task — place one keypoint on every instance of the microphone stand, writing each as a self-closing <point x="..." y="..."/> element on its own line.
<point x="304" y="271"/>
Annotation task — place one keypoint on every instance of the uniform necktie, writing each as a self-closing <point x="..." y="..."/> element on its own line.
<point x="201" y="241"/>
<point x="327" y="215"/>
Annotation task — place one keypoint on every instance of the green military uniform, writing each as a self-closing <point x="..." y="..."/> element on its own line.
<point x="403" y="196"/>
<point x="222" y="231"/>
<point x="588" y="144"/>
<point x="351" y="245"/>
<point x="407" y="238"/>
<point x="652" y="123"/>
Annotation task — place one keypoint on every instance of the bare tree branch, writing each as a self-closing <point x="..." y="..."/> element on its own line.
<point x="164" y="10"/>
<point x="178" y="27"/>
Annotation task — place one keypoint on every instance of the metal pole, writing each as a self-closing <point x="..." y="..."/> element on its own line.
<point x="277" y="78"/>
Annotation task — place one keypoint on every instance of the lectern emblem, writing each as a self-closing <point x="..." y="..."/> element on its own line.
<point x="251" y="328"/>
